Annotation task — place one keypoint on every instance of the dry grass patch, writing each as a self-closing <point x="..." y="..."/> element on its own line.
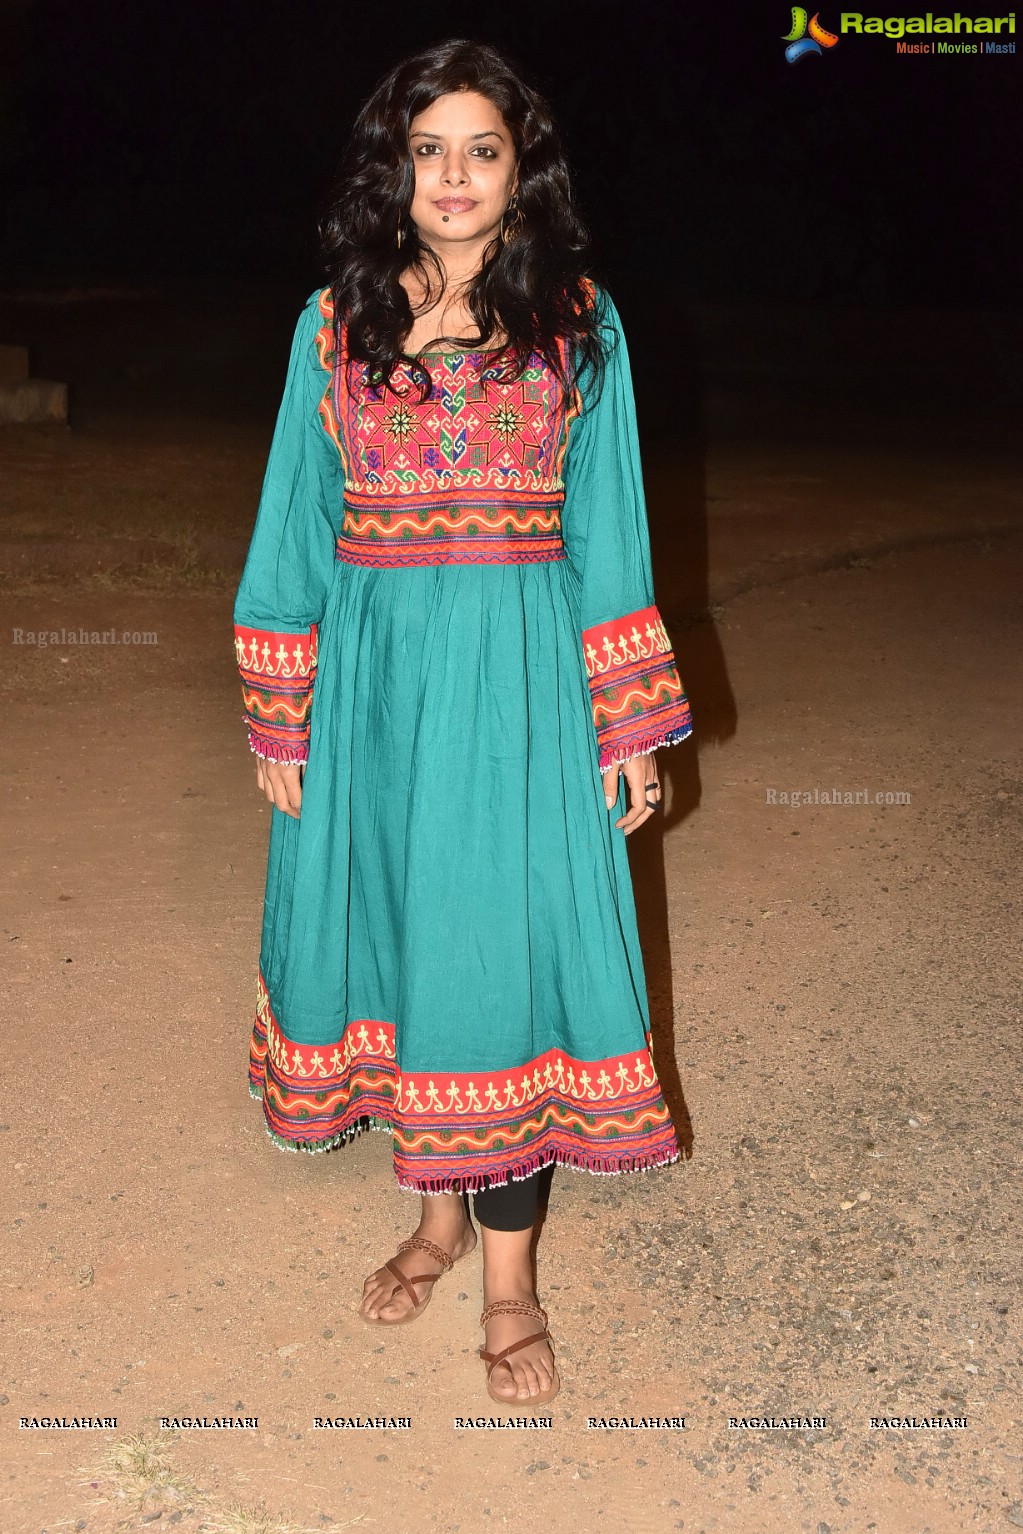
<point x="136" y="1480"/>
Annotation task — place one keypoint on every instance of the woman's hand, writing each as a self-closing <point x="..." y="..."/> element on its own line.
<point x="641" y="776"/>
<point x="282" y="783"/>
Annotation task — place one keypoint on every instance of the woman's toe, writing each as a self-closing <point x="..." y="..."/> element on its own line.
<point x="539" y="1377"/>
<point x="372" y="1300"/>
<point x="505" y="1383"/>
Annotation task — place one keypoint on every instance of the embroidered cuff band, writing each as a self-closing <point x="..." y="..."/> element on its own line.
<point x="277" y="672"/>
<point x="635" y="691"/>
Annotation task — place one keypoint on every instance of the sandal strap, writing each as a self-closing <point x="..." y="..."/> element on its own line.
<point x="513" y="1308"/>
<point x="421" y="1244"/>
<point x="406" y="1281"/>
<point x="493" y="1359"/>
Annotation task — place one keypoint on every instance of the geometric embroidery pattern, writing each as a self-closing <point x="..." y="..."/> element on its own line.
<point x="472" y="474"/>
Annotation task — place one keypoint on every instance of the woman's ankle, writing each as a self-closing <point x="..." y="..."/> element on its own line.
<point x="443" y="1210"/>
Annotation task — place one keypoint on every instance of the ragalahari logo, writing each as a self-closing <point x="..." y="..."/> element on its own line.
<point x="798" y="40"/>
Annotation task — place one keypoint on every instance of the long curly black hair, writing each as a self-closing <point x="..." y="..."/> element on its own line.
<point x="532" y="288"/>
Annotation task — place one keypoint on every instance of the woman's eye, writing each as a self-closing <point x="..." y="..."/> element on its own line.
<point x="482" y="151"/>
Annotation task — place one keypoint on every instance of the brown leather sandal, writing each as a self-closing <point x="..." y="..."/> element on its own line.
<point x="406" y="1280"/>
<point x="517" y="1308"/>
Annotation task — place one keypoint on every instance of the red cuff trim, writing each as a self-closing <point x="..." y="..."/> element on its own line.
<point x="277" y="672"/>
<point x="291" y="749"/>
<point x="635" y="690"/>
<point x="270" y="653"/>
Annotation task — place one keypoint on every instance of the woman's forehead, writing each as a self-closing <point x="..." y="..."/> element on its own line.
<point x="462" y="114"/>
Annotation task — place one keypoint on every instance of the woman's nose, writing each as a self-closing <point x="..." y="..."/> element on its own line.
<point x="455" y="173"/>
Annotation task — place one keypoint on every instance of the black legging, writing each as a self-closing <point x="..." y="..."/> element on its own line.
<point x="509" y="1206"/>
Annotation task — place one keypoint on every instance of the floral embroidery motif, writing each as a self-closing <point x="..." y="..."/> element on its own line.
<point x="636" y="694"/>
<point x="506" y="422"/>
<point x="398" y="424"/>
<point x="604" y="1115"/>
<point x="277" y="674"/>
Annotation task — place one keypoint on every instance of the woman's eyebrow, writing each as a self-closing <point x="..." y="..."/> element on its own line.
<point x="488" y="133"/>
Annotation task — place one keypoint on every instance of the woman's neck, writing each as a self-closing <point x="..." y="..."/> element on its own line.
<point x="447" y="313"/>
<point x="460" y="261"/>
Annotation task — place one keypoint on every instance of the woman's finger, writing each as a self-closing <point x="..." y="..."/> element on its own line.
<point x="610" y="777"/>
<point x="641" y="776"/>
<point x="293" y="782"/>
<point x="635" y="775"/>
<point x="282" y="784"/>
<point x="634" y="818"/>
<point x="289" y="795"/>
<point x="264" y="781"/>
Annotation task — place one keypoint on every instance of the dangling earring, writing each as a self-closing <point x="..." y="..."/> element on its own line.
<point x="513" y="230"/>
<point x="401" y="235"/>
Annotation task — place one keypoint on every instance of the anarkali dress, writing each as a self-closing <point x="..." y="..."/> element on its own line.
<point x="447" y="614"/>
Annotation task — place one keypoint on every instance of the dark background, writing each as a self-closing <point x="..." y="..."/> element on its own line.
<point x="186" y="140"/>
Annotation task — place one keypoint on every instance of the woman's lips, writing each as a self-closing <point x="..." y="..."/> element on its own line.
<point x="456" y="204"/>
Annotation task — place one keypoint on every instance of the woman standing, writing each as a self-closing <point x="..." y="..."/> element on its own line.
<point x="452" y="666"/>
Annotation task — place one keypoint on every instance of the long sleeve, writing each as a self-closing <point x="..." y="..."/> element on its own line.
<point x="636" y="693"/>
<point x="290" y="562"/>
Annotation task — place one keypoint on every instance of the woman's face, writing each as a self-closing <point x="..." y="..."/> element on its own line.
<point x="465" y="166"/>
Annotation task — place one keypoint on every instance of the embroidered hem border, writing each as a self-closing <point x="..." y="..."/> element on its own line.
<point x="453" y="1129"/>
<point x="636" y="693"/>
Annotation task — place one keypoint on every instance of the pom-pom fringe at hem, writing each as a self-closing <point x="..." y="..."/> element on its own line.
<point x="576" y="1161"/>
<point x="271" y="751"/>
<point x="611" y="758"/>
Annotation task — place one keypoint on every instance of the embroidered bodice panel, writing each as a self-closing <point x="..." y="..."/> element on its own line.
<point x="471" y="474"/>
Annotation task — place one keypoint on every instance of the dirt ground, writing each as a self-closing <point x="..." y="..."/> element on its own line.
<point x="834" y="987"/>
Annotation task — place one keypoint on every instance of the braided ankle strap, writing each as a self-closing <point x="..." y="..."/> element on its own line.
<point x="513" y="1308"/>
<point x="421" y="1244"/>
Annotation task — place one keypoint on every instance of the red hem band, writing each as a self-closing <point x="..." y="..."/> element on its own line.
<point x="453" y="1129"/>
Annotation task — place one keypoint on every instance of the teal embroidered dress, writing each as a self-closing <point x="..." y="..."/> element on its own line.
<point x="447" y="614"/>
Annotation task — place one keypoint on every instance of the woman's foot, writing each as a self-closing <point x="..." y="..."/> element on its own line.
<point x="508" y="1275"/>
<point x="529" y="1371"/>
<point x="445" y="1223"/>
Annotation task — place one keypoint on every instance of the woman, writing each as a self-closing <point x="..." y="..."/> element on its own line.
<point x="452" y="666"/>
